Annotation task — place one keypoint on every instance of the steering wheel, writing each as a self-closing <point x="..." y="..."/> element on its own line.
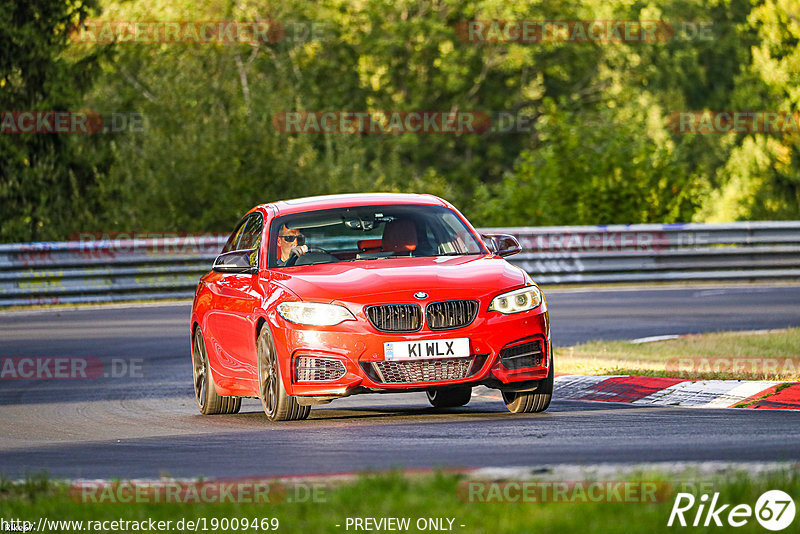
<point x="294" y="256"/>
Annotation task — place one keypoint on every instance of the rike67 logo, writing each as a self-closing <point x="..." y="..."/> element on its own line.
<point x="774" y="510"/>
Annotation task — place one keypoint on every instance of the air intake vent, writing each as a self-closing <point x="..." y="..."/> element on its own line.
<point x="404" y="372"/>
<point x="310" y="369"/>
<point x="522" y="355"/>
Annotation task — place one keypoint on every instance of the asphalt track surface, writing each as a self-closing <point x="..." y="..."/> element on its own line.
<point x="148" y="426"/>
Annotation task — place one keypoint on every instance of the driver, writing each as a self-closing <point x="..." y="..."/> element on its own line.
<point x="290" y="241"/>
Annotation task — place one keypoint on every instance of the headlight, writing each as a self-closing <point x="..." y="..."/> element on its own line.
<point x="314" y="313"/>
<point x="516" y="301"/>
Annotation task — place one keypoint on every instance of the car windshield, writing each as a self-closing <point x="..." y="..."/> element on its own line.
<point x="371" y="233"/>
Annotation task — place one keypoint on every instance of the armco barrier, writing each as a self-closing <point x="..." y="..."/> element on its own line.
<point x="659" y="252"/>
<point x="103" y="271"/>
<point x="95" y="271"/>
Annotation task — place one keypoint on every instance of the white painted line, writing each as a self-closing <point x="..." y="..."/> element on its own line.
<point x="560" y="472"/>
<point x="651" y="339"/>
<point x="612" y="471"/>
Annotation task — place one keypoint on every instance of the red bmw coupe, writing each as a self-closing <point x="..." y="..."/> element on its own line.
<point x="320" y="298"/>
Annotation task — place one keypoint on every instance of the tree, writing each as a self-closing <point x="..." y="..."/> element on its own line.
<point x="48" y="182"/>
<point x="761" y="179"/>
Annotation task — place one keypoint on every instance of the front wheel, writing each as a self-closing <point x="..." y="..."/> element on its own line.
<point x="277" y="404"/>
<point x="531" y="401"/>
<point x="450" y="397"/>
<point x="205" y="392"/>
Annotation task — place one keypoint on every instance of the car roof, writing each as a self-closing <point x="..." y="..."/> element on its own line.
<point x="297" y="205"/>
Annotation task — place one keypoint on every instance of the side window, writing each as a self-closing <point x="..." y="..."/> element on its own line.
<point x="247" y="234"/>
<point x="251" y="232"/>
<point x="274" y="251"/>
<point x="230" y="244"/>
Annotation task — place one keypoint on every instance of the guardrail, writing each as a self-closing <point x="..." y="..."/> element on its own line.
<point x="659" y="252"/>
<point x="105" y="271"/>
<point x="118" y="270"/>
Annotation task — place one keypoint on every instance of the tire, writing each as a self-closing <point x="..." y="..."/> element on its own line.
<point x="205" y="391"/>
<point x="277" y="404"/>
<point x="449" y="397"/>
<point x="531" y="401"/>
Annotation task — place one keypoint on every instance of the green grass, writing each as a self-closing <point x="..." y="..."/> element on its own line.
<point x="770" y="355"/>
<point x="397" y="495"/>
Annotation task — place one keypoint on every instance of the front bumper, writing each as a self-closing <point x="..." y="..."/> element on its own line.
<point x="359" y="347"/>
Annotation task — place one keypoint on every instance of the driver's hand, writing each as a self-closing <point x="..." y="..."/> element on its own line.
<point x="299" y="250"/>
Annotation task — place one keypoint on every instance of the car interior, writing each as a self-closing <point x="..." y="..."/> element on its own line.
<point x="380" y="233"/>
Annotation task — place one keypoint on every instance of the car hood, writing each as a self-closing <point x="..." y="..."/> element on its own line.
<point x="398" y="279"/>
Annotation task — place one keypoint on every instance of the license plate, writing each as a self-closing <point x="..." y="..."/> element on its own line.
<point x="426" y="349"/>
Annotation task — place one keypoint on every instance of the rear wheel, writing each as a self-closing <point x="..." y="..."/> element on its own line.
<point x="531" y="401"/>
<point x="205" y="392"/>
<point x="277" y="404"/>
<point x="450" y="397"/>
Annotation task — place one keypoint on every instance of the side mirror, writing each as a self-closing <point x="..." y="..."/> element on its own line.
<point x="489" y="242"/>
<point x="503" y="244"/>
<point x="237" y="261"/>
